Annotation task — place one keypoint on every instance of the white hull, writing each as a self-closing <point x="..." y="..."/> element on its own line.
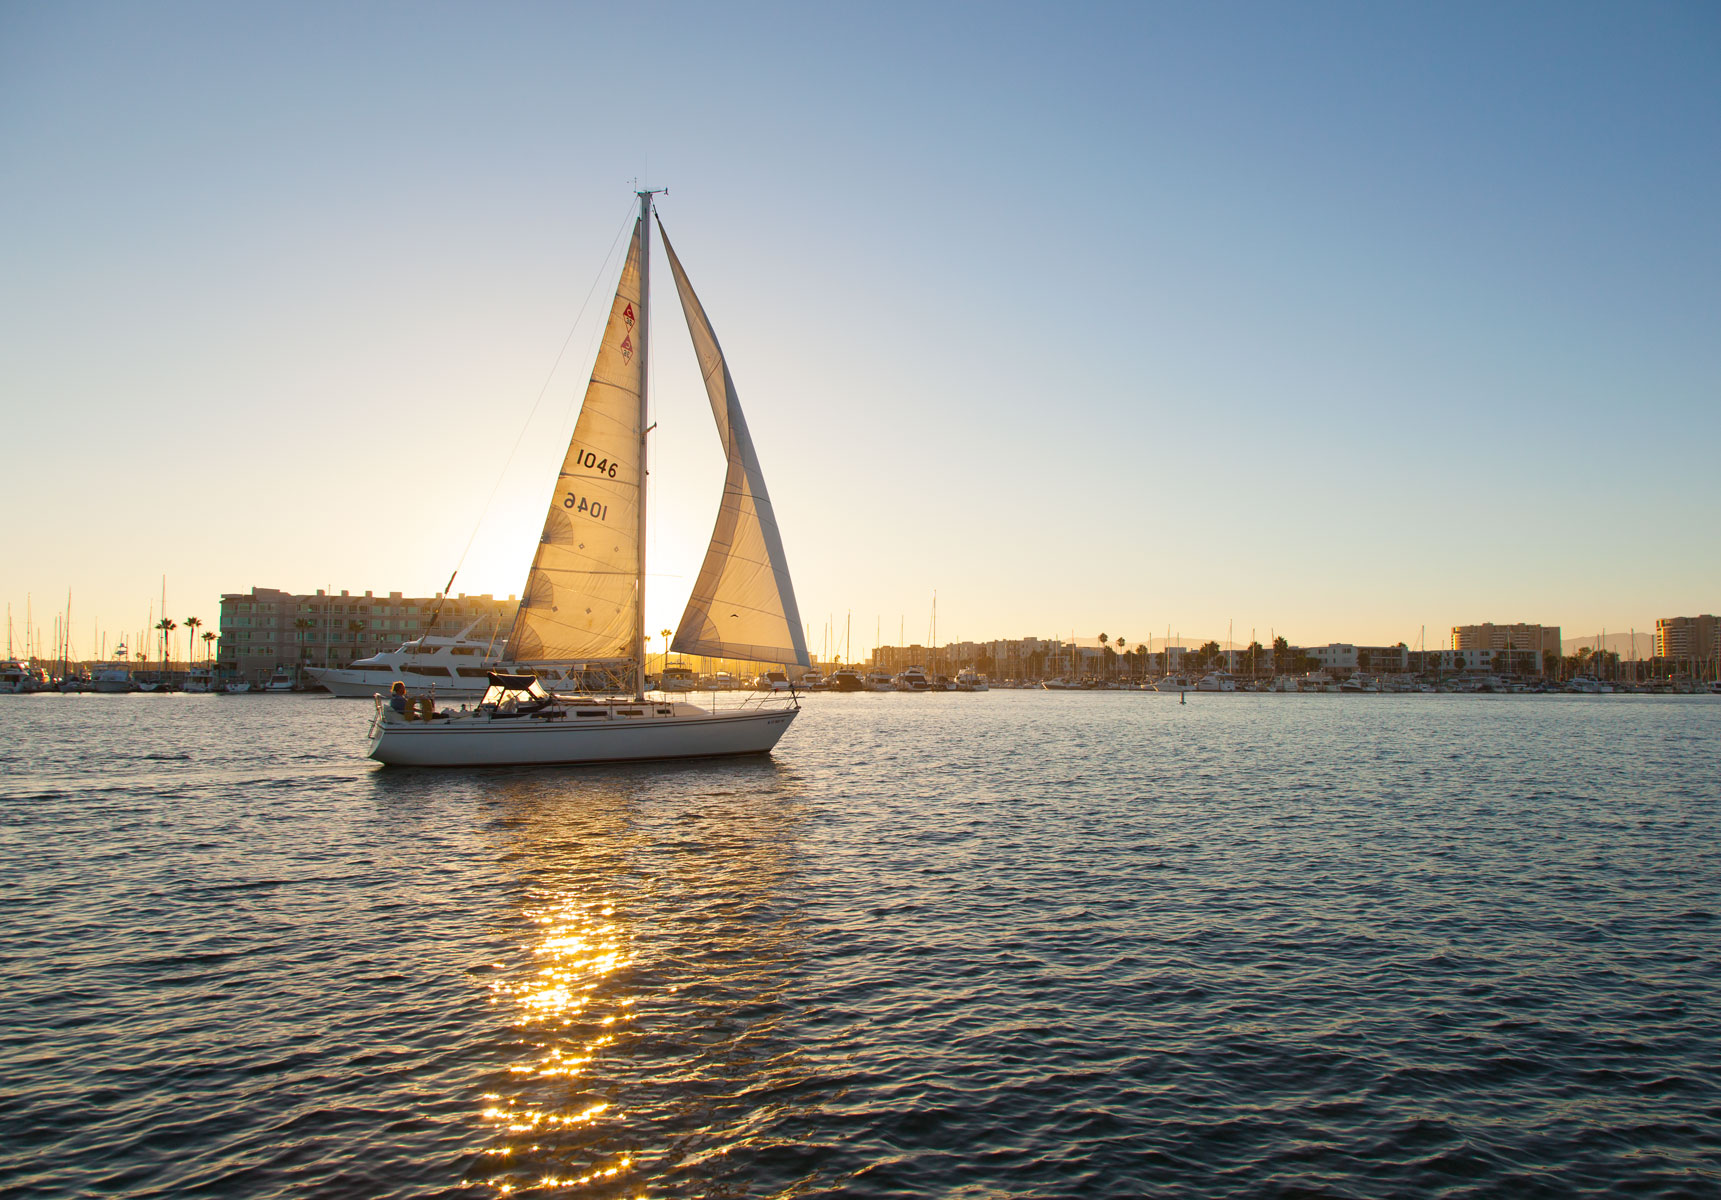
<point x="365" y="684"/>
<point x="659" y="731"/>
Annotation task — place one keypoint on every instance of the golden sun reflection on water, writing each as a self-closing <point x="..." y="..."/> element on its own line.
<point x="638" y="994"/>
<point x="566" y="1010"/>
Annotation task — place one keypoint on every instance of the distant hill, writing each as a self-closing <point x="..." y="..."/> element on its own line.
<point x="1618" y="643"/>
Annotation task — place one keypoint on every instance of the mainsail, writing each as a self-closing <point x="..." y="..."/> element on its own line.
<point x="581" y="597"/>
<point x="743" y="604"/>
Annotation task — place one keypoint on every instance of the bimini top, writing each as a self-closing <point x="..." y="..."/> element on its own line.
<point x="512" y="683"/>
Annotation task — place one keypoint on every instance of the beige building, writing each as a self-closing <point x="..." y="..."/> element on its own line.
<point x="265" y="629"/>
<point x="1538" y="638"/>
<point x="1690" y="639"/>
<point x="1516" y="649"/>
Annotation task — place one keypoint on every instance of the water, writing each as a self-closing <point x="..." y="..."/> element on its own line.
<point x="1012" y="944"/>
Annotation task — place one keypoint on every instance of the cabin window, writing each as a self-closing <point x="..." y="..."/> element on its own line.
<point x="590" y="712"/>
<point x="629" y="712"/>
<point x="663" y="712"/>
<point x="472" y="672"/>
<point x="439" y="672"/>
<point x="462" y="650"/>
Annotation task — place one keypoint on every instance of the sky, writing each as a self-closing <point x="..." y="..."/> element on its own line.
<point x="1339" y="321"/>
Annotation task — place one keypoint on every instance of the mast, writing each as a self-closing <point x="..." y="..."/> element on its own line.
<point x="644" y="427"/>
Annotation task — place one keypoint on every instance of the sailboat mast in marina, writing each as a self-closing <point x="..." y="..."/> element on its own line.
<point x="584" y="596"/>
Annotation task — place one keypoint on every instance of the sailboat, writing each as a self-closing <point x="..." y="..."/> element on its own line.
<point x="584" y="598"/>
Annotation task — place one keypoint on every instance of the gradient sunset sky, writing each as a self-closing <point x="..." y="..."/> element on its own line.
<point x="1334" y="319"/>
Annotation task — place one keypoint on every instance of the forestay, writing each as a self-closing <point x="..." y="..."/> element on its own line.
<point x="743" y="604"/>
<point x="581" y="596"/>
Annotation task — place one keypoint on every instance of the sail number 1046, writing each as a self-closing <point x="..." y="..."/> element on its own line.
<point x="581" y="504"/>
<point x="602" y="466"/>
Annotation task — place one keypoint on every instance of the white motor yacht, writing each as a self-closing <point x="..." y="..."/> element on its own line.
<point x="115" y="677"/>
<point x="457" y="667"/>
<point x="913" y="679"/>
<point x="772" y="681"/>
<point x="18" y="678"/>
<point x="677" y="679"/>
<point x="880" y="681"/>
<point x="970" y="680"/>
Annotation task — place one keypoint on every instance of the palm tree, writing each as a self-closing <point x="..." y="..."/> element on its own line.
<point x="666" y="634"/>
<point x="191" y="624"/>
<point x="355" y="628"/>
<point x="166" y="626"/>
<point x="301" y="624"/>
<point x="208" y="648"/>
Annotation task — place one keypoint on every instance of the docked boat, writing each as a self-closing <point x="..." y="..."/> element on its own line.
<point x="912" y="679"/>
<point x="847" y="679"/>
<point x="677" y="679"/>
<point x="773" y="681"/>
<point x="1175" y="683"/>
<point x="114" y="678"/>
<point x="970" y="680"/>
<point x="457" y="667"/>
<point x="280" y="681"/>
<point x="880" y="681"/>
<point x="17" y="678"/>
<point x="584" y="597"/>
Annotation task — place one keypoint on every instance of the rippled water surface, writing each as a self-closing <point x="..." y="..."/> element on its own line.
<point x="1012" y="944"/>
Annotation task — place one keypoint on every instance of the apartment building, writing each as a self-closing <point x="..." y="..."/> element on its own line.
<point x="1686" y="639"/>
<point x="1526" y="646"/>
